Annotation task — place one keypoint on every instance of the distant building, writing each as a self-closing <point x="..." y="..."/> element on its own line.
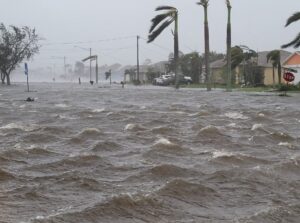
<point x="159" y="68"/>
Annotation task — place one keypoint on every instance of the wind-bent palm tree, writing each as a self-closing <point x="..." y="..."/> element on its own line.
<point x="159" y="24"/>
<point x="204" y="3"/>
<point x="296" y="42"/>
<point x="228" y="45"/>
<point x="274" y="56"/>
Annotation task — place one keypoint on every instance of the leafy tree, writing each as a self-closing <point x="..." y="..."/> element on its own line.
<point x="204" y="3"/>
<point x="16" y="45"/>
<point x="296" y="42"/>
<point x="151" y="74"/>
<point x="159" y="24"/>
<point x="191" y="65"/>
<point x="274" y="57"/>
<point x="228" y="46"/>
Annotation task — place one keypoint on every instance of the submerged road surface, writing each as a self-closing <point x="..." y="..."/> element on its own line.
<point x="92" y="154"/>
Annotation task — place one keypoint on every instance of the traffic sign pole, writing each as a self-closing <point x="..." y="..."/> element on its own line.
<point x="26" y="73"/>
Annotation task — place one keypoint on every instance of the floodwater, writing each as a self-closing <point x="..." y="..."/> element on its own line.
<point x="147" y="154"/>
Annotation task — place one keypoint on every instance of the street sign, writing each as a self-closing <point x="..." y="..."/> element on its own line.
<point x="288" y="76"/>
<point x="26" y="73"/>
<point x="26" y="69"/>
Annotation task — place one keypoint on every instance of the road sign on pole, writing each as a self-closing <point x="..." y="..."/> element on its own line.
<point x="26" y="73"/>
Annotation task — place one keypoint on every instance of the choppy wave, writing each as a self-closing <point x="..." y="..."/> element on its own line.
<point x="236" y="115"/>
<point x="184" y="189"/>
<point x="134" y="127"/>
<point x="20" y="126"/>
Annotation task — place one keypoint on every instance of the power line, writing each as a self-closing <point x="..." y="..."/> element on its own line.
<point x="162" y="47"/>
<point x="88" y="42"/>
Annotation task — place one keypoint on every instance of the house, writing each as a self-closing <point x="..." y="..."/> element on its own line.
<point x="267" y="67"/>
<point x="218" y="72"/>
<point x="159" y="68"/>
<point x="293" y="62"/>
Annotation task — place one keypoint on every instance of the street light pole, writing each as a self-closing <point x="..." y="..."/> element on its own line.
<point x="65" y="66"/>
<point x="138" y="61"/>
<point x="90" y="65"/>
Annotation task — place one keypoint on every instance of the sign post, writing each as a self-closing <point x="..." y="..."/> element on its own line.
<point x="26" y="73"/>
<point x="288" y="77"/>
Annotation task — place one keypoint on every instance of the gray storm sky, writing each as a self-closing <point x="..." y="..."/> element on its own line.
<point x="258" y="24"/>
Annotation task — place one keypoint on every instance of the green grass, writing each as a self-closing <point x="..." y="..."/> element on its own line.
<point x="292" y="89"/>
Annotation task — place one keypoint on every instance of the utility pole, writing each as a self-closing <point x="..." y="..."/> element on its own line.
<point x="96" y="69"/>
<point x="138" y="60"/>
<point x="65" y="66"/>
<point x="90" y="65"/>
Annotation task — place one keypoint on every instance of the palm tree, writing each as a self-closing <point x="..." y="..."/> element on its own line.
<point x="204" y="3"/>
<point x="274" y="56"/>
<point x="296" y="41"/>
<point x="159" y="23"/>
<point x="228" y="45"/>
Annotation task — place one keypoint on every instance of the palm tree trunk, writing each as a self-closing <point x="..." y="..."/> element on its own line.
<point x="176" y="52"/>
<point x="279" y="72"/>
<point x="206" y="39"/>
<point x="229" y="50"/>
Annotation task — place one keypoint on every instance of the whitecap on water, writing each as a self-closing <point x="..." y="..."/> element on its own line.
<point x="26" y="128"/>
<point x="163" y="141"/>
<point x="129" y="126"/>
<point x="98" y="110"/>
<point x="235" y="115"/>
<point x="209" y="128"/>
<point x="217" y="154"/>
<point x="257" y="126"/>
<point x="286" y="144"/>
<point x="67" y="117"/>
<point x="232" y="125"/>
<point x="61" y="105"/>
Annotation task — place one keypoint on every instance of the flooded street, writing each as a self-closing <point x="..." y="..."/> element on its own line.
<point x="148" y="154"/>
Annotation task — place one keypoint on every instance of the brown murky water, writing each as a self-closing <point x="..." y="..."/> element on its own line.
<point x="88" y="154"/>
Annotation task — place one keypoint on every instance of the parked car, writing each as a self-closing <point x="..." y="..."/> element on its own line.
<point x="169" y="79"/>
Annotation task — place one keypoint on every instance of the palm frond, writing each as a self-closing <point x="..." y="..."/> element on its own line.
<point x="165" y="7"/>
<point x="274" y="56"/>
<point x="293" y="18"/>
<point x="152" y="36"/>
<point x="204" y="3"/>
<point x="158" y="19"/>
<point x="228" y="3"/>
<point x="295" y="42"/>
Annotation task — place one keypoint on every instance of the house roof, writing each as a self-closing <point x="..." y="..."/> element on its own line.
<point x="218" y="63"/>
<point x="262" y="58"/>
<point x="289" y="57"/>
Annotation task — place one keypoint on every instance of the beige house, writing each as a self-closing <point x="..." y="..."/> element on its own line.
<point x="159" y="68"/>
<point x="268" y="68"/>
<point x="218" y="72"/>
<point x="218" y="69"/>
